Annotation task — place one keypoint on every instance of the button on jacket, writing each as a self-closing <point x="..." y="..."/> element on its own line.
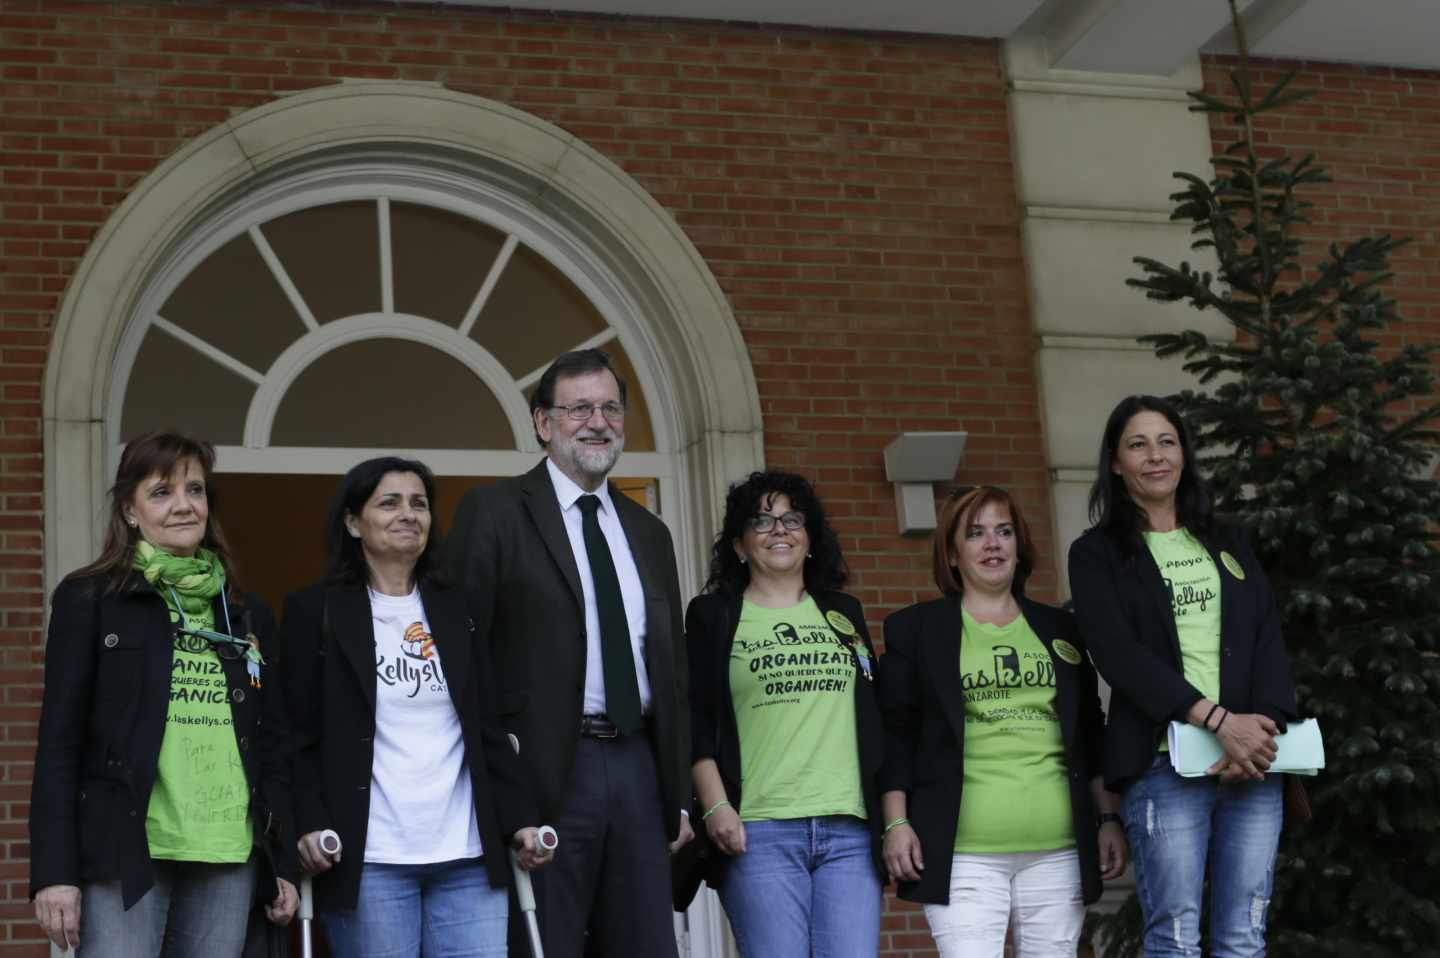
<point x="107" y="695"/>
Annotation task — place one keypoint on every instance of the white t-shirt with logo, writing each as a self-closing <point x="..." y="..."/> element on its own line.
<point x="422" y="808"/>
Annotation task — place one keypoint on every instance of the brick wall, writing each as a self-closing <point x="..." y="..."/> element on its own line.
<point x="853" y="194"/>
<point x="1376" y="130"/>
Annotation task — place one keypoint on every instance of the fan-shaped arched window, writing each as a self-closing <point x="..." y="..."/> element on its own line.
<point x="373" y="322"/>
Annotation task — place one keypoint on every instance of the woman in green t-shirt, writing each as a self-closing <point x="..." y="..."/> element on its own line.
<point x="160" y="800"/>
<point x="1185" y="628"/>
<point x="995" y="815"/>
<point x="784" y="713"/>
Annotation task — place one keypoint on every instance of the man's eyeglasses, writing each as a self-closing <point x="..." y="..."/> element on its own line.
<point x="581" y="411"/>
<point x="763" y="522"/>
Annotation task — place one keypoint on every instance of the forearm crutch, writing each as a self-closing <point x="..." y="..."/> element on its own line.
<point x="330" y="845"/>
<point x="524" y="888"/>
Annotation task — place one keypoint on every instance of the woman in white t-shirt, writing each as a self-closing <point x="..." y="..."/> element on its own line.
<point x="397" y="748"/>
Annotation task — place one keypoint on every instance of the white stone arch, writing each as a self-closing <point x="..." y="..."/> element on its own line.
<point x="682" y="333"/>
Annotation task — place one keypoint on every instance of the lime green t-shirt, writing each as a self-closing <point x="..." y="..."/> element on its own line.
<point x="792" y="683"/>
<point x="1194" y="585"/>
<point x="1016" y="795"/>
<point x="200" y="806"/>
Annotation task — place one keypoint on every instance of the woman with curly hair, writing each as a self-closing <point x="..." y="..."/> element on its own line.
<point x="784" y="714"/>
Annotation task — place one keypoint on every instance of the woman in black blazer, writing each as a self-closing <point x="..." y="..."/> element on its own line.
<point x="1183" y="626"/>
<point x="991" y="777"/>
<point x="159" y="802"/>
<point x="786" y="730"/>
<point x="397" y="748"/>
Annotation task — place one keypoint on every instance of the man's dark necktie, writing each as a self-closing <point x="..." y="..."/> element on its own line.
<point x="622" y="690"/>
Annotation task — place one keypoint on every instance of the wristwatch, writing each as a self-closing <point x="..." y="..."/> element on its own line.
<point x="1104" y="817"/>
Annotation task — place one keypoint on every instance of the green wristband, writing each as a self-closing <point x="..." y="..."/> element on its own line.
<point x="895" y="824"/>
<point x="714" y="808"/>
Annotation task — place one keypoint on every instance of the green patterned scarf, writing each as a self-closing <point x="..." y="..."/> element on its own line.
<point x="195" y="580"/>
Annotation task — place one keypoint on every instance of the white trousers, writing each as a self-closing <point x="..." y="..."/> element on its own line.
<point x="1036" y="892"/>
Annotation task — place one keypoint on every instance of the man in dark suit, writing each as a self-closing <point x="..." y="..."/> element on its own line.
<point x="576" y="587"/>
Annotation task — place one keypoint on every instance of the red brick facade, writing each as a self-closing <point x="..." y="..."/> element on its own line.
<point x="853" y="194"/>
<point x="1376" y="130"/>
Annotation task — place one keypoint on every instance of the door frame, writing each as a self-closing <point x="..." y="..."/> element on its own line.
<point x="702" y="381"/>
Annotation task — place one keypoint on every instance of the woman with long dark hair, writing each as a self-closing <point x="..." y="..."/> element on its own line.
<point x="787" y="736"/>
<point x="1183" y="626"/>
<point x="995" y="815"/>
<point x="397" y="746"/>
<point x="160" y="798"/>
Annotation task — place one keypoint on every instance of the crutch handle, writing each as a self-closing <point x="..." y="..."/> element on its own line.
<point x="330" y="842"/>
<point x="330" y="845"/>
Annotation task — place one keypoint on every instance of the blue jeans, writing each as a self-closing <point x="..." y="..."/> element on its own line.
<point x="440" y="910"/>
<point x="196" y="909"/>
<point x="804" y="887"/>
<point x="1173" y="824"/>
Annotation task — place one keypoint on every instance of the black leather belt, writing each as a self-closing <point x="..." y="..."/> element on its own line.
<point x="600" y="726"/>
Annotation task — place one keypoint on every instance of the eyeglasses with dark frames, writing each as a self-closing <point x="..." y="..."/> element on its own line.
<point x="225" y="646"/>
<point x="581" y="411"/>
<point x="791" y="521"/>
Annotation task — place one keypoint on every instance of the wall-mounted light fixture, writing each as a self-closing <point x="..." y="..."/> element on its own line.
<point x="915" y="461"/>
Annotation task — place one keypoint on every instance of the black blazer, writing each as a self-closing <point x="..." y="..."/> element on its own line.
<point x="924" y="708"/>
<point x="330" y="685"/>
<point x="1124" y="611"/>
<point x="107" y="696"/>
<point x="510" y="553"/>
<point x="710" y="625"/>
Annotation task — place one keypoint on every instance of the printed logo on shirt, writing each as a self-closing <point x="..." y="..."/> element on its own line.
<point x="416" y="669"/>
<point x="1189" y="574"/>
<point x="417" y="643"/>
<point x="782" y="634"/>
<point x="795" y="662"/>
<point x="1187" y="595"/>
<point x="1010" y="670"/>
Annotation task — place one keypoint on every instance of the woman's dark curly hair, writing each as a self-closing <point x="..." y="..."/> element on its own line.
<point x="824" y="568"/>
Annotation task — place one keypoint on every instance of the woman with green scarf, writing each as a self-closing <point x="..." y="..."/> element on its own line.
<point x="161" y="789"/>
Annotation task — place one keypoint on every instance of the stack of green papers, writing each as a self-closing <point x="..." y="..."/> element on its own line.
<point x="1193" y="750"/>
